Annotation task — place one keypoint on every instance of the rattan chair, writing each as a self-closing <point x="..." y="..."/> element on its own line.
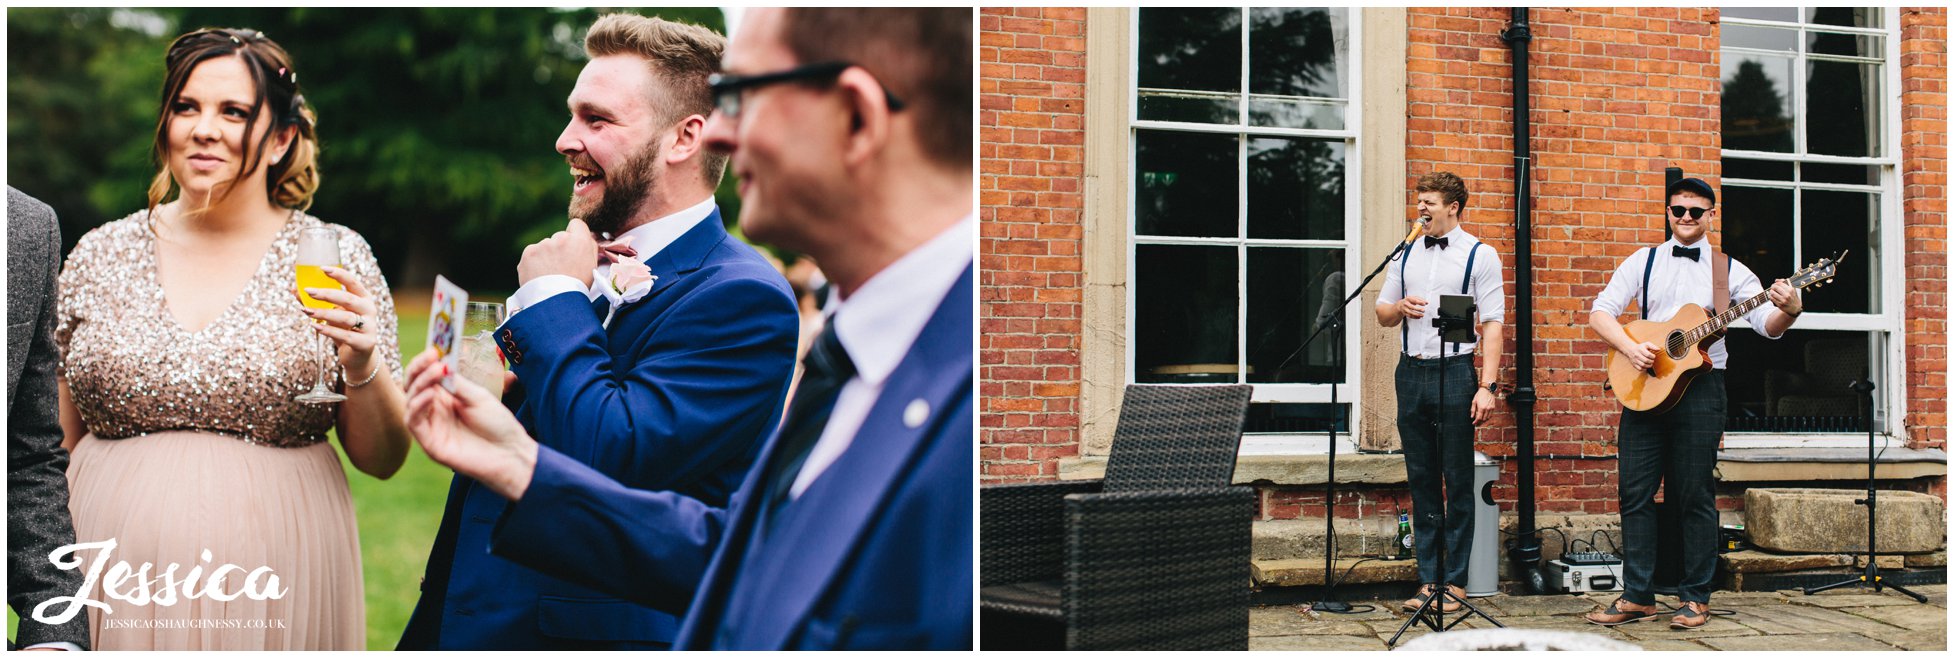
<point x="1155" y="556"/>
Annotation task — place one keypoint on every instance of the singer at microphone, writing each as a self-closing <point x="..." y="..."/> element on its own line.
<point x="1441" y="258"/>
<point x="1417" y="229"/>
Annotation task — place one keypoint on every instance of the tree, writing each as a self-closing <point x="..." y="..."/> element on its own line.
<point x="1753" y="111"/>
<point x="436" y="125"/>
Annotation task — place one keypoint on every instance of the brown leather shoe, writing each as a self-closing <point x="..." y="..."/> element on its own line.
<point x="1449" y="605"/>
<point x="1417" y="600"/>
<point x="1458" y="594"/>
<point x="1691" y="616"/>
<point x="1621" y="612"/>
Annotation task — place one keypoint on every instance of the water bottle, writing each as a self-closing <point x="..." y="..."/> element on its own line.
<point x="1404" y="536"/>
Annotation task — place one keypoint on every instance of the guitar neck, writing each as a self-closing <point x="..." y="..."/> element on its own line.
<point x="1713" y="325"/>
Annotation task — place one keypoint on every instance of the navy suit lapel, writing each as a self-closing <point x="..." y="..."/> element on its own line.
<point x="683" y="256"/>
<point x="817" y="536"/>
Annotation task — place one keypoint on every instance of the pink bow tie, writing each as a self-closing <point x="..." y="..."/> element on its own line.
<point x="608" y="252"/>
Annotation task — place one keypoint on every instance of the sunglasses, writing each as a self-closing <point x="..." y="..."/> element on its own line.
<point x="728" y="90"/>
<point x="1694" y="213"/>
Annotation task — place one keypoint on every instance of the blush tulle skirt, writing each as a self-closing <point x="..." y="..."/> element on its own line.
<point x="166" y="498"/>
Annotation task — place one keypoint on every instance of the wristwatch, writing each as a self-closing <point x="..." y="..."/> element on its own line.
<point x="1491" y="387"/>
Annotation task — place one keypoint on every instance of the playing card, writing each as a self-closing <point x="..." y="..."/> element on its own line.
<point x="444" y="326"/>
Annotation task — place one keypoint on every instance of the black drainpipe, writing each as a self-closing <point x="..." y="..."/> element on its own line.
<point x="1524" y="551"/>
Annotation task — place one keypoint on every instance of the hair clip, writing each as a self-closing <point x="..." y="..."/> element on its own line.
<point x="235" y="40"/>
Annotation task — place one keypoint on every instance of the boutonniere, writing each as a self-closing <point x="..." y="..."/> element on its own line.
<point x="630" y="280"/>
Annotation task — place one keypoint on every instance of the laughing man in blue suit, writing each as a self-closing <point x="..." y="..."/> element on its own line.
<point x="850" y="129"/>
<point x="667" y="383"/>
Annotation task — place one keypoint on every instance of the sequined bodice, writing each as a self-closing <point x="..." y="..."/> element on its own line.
<point x="132" y="370"/>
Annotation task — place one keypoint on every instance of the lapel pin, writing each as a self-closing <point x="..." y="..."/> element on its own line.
<point x="917" y="412"/>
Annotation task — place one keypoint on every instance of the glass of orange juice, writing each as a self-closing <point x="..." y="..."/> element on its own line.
<point x="318" y="248"/>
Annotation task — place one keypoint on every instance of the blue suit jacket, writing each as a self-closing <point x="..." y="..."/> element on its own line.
<point x="678" y="395"/>
<point x="876" y="554"/>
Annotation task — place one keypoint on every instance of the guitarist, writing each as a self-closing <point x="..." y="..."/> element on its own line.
<point x="1445" y="261"/>
<point x="1679" y="445"/>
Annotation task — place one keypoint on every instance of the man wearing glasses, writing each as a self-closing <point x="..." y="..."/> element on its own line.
<point x="1676" y="450"/>
<point x="850" y="130"/>
<point x="659" y="358"/>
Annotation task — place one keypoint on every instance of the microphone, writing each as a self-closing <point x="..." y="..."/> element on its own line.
<point x="1416" y="230"/>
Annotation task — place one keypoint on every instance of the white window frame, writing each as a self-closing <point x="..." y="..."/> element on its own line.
<point x="1348" y="393"/>
<point x="1891" y="223"/>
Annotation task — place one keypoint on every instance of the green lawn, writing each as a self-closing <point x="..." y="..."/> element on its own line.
<point x="397" y="517"/>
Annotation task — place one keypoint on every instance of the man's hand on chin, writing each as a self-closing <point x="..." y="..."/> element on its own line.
<point x="468" y="430"/>
<point x="571" y="252"/>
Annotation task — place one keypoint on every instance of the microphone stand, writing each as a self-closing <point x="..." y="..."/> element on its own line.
<point x="1330" y="494"/>
<point x="1869" y="577"/>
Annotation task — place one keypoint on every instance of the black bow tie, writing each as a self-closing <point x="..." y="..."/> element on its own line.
<point x="1680" y="251"/>
<point x="1435" y="242"/>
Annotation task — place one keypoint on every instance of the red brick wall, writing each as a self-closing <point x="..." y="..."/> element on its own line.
<point x="1033" y="121"/>
<point x="1923" y="166"/>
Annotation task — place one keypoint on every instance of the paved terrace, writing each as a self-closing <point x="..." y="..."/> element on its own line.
<point x="1848" y="619"/>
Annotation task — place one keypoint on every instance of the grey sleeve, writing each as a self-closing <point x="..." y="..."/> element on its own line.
<point x="37" y="481"/>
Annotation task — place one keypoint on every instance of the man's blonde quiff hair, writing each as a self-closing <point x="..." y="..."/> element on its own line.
<point x="681" y="56"/>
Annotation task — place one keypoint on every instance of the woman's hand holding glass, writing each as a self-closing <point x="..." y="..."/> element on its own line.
<point x="353" y="326"/>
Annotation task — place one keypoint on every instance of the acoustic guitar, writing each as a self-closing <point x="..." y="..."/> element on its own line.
<point x="1684" y="345"/>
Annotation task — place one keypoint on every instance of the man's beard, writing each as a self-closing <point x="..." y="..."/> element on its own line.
<point x="625" y="190"/>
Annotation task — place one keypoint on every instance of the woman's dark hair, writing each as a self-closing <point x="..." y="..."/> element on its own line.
<point x="291" y="180"/>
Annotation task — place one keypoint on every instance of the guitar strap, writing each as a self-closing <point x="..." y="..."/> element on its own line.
<point x="1720" y="281"/>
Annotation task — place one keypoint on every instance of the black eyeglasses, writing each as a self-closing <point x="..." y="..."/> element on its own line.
<point x="1694" y="213"/>
<point x="728" y="90"/>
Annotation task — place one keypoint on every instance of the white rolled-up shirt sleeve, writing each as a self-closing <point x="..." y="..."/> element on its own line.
<point x="1622" y="287"/>
<point x="1489" y="287"/>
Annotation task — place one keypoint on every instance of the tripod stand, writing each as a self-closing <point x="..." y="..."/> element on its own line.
<point x="1870" y="576"/>
<point x="1453" y="329"/>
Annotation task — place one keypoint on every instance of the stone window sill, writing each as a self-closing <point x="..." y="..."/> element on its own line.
<point x="1746" y="465"/>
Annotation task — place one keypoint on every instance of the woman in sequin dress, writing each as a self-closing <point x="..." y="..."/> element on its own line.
<point x="184" y="345"/>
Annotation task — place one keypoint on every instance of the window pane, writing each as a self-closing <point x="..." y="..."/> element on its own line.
<point x="1184" y="314"/>
<point x="1786" y="14"/>
<point x="1295" y="189"/>
<point x="1291" y="292"/>
<point x="1296" y="417"/>
<point x="1843" y="16"/>
<point x="1189" y="106"/>
<point x="1757" y="229"/>
<point x="1841" y="173"/>
<point x="1756" y="169"/>
<point x="1298" y="52"/>
<point x="1844" y="103"/>
<point x="1190" y="50"/>
<point x="1761" y="38"/>
<point x="1757" y="102"/>
<point x="1849" y="45"/>
<point x="1839" y="221"/>
<point x="1798" y="382"/>
<point x="1187" y="184"/>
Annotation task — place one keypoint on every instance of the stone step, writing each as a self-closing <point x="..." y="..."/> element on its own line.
<point x="1353" y="571"/>
<point x="1799" y="520"/>
<point x="1765" y="562"/>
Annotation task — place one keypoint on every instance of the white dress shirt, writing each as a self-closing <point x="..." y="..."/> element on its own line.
<point x="648" y="238"/>
<point x="1677" y="280"/>
<point x="1433" y="271"/>
<point x="877" y="325"/>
